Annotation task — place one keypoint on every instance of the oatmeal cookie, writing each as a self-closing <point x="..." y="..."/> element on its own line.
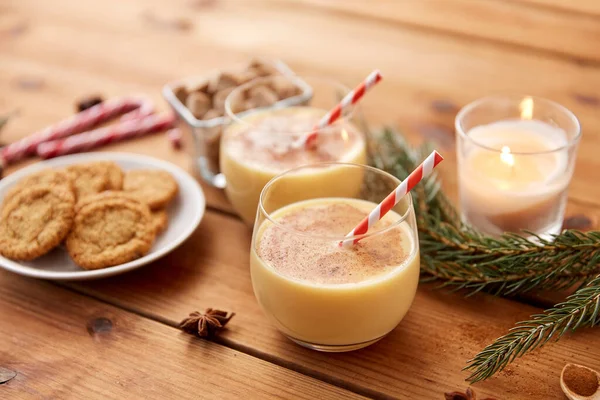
<point x="154" y="187"/>
<point x="160" y="220"/>
<point x="109" y="232"/>
<point x="89" y="178"/>
<point x="115" y="175"/>
<point x="48" y="176"/>
<point x="35" y="220"/>
<point x="108" y="194"/>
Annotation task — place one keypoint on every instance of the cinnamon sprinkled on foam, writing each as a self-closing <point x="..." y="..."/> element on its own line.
<point x="323" y="262"/>
<point x="268" y="141"/>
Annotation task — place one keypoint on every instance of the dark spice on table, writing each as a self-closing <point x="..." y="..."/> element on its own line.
<point x="205" y="324"/>
<point x="468" y="395"/>
<point x="3" y="120"/>
<point x="88" y="102"/>
<point x="579" y="380"/>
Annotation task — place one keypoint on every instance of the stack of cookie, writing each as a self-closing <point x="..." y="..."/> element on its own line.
<point x="105" y="216"/>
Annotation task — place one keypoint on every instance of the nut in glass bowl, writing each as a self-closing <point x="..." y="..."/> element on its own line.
<point x="199" y="104"/>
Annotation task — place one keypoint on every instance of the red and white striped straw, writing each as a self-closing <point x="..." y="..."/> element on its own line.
<point x="134" y="107"/>
<point x="341" y="108"/>
<point x="393" y="198"/>
<point x="98" y="137"/>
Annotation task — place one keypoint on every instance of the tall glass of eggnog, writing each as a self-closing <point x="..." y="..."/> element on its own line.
<point x="320" y="294"/>
<point x="263" y="142"/>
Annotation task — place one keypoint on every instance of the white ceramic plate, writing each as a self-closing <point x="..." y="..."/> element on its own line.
<point x="185" y="213"/>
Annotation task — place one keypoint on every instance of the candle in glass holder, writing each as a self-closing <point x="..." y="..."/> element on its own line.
<point x="515" y="162"/>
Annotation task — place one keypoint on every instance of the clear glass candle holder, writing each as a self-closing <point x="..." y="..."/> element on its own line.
<point x="516" y="156"/>
<point x="322" y="295"/>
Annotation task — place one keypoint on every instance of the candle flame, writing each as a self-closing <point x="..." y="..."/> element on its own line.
<point x="526" y="108"/>
<point x="345" y="136"/>
<point x="507" y="157"/>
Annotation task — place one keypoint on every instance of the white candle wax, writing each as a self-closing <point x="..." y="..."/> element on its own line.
<point x="513" y="176"/>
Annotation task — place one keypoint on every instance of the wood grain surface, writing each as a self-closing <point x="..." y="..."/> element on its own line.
<point x="589" y="8"/>
<point x="62" y="345"/>
<point x="436" y="56"/>
<point x="428" y="76"/>
<point x="420" y="359"/>
<point x="512" y="25"/>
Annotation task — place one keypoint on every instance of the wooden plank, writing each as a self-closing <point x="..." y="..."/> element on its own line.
<point x="75" y="48"/>
<point x="428" y="77"/>
<point x="420" y="359"/>
<point x="64" y="345"/>
<point x="582" y="216"/>
<point x="550" y="31"/>
<point x="590" y="7"/>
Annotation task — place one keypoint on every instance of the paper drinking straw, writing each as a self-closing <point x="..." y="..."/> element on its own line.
<point x="393" y="198"/>
<point x="340" y="109"/>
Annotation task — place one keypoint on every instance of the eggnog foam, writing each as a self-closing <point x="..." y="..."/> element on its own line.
<point x="265" y="140"/>
<point x="319" y="261"/>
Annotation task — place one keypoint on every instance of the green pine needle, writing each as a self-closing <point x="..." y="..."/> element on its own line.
<point x="577" y="311"/>
<point x="459" y="257"/>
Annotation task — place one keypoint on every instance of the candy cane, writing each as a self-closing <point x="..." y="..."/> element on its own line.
<point x="98" y="137"/>
<point x="135" y="108"/>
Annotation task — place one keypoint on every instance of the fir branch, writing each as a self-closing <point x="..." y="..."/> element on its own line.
<point x="458" y="256"/>
<point x="579" y="310"/>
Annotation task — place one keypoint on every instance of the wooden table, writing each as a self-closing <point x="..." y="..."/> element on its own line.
<point x="117" y="338"/>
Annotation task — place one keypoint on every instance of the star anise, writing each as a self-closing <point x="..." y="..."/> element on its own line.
<point x="205" y="324"/>
<point x="469" y="395"/>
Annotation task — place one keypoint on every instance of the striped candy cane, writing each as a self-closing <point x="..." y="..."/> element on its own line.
<point x="134" y="108"/>
<point x="98" y="137"/>
<point x="393" y="198"/>
<point x="340" y="109"/>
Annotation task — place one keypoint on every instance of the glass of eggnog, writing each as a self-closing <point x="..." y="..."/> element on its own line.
<point x="261" y="143"/>
<point x="318" y="293"/>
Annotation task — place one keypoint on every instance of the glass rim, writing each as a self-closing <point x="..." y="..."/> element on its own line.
<point x="267" y="215"/>
<point x="474" y="104"/>
<point x="300" y="81"/>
